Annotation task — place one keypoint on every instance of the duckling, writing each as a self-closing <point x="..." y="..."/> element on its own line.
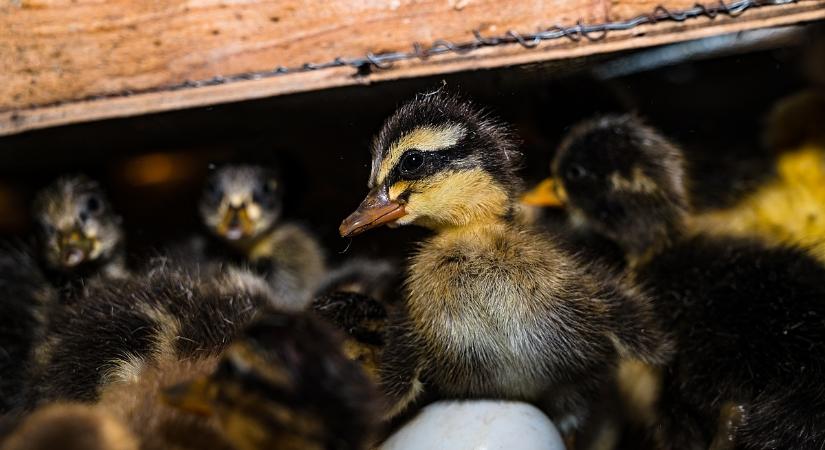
<point x="79" y="234"/>
<point x="241" y="207"/>
<point x="748" y="318"/>
<point x="493" y="308"/>
<point x="79" y="242"/>
<point x="285" y="384"/>
<point x="789" y="209"/>
<point x="116" y="330"/>
<point x="129" y="414"/>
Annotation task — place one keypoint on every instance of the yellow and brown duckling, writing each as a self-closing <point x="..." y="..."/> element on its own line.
<point x="79" y="243"/>
<point x="748" y="318"/>
<point x="129" y="414"/>
<point x="79" y="234"/>
<point x="790" y="207"/>
<point x="285" y="384"/>
<point x="493" y="308"/>
<point x="241" y="207"/>
<point x="119" y="329"/>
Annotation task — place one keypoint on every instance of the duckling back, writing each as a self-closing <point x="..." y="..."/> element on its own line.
<point x="749" y="324"/>
<point x="130" y="414"/>
<point x="116" y="329"/>
<point x="284" y="383"/>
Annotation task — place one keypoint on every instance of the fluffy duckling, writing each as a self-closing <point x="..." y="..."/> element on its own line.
<point x="285" y="384"/>
<point x="129" y="414"/>
<point x="79" y="242"/>
<point x="79" y="234"/>
<point x="117" y="330"/>
<point x="493" y="308"/>
<point x="282" y="383"/>
<point x="790" y="208"/>
<point x="241" y="207"/>
<point x="748" y="319"/>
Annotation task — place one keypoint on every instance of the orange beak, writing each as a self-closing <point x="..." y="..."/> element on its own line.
<point x="236" y="224"/>
<point x="548" y="193"/>
<point x="376" y="210"/>
<point x="75" y="248"/>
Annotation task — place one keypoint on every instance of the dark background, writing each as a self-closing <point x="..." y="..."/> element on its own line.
<point x="713" y="105"/>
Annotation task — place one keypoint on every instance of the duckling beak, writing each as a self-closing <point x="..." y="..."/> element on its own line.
<point x="193" y="396"/>
<point x="548" y="193"/>
<point x="236" y="223"/>
<point x="376" y="210"/>
<point x="74" y="248"/>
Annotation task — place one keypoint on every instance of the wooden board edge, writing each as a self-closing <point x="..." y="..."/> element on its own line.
<point x="18" y="121"/>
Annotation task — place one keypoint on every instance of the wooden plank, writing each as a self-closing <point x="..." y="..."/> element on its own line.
<point x="55" y="54"/>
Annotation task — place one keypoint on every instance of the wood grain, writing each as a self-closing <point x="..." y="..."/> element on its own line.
<point x="56" y="56"/>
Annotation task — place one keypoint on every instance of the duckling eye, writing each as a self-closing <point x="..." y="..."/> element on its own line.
<point x="269" y="186"/>
<point x="575" y="172"/>
<point x="412" y="161"/>
<point x="93" y="204"/>
<point x="213" y="192"/>
<point x="47" y="228"/>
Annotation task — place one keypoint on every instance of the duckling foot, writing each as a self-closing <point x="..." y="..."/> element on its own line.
<point x="731" y="417"/>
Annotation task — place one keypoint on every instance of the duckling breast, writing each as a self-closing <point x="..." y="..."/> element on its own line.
<point x="493" y="316"/>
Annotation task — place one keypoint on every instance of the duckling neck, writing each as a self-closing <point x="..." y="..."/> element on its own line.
<point x="477" y="213"/>
<point x="642" y="247"/>
<point x="479" y="229"/>
<point x="248" y="248"/>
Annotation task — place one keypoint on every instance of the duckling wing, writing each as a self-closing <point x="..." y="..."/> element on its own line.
<point x="293" y="262"/>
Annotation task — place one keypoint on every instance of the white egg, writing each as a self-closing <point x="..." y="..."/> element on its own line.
<point x="477" y="425"/>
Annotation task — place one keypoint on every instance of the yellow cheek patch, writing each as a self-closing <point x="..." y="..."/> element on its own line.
<point x="253" y="211"/>
<point x="398" y="188"/>
<point x="457" y="198"/>
<point x="639" y="182"/>
<point x="426" y="139"/>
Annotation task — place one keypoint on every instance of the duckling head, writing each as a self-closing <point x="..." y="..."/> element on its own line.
<point x="620" y="178"/>
<point x="241" y="202"/>
<point x="438" y="162"/>
<point x="284" y="384"/>
<point x="77" y="225"/>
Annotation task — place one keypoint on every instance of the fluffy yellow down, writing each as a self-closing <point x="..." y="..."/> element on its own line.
<point x="790" y="209"/>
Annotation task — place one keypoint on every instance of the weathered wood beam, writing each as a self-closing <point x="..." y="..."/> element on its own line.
<point x="65" y="61"/>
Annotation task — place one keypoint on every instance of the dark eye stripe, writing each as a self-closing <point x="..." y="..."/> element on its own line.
<point x="433" y="162"/>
